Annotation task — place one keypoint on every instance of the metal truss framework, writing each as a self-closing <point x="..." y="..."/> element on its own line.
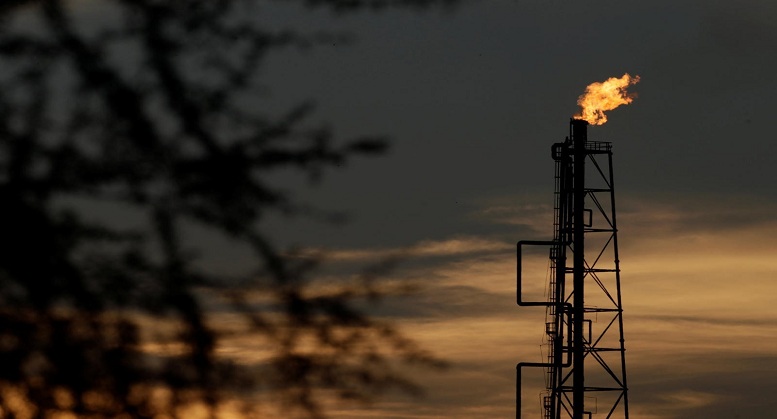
<point x="585" y="366"/>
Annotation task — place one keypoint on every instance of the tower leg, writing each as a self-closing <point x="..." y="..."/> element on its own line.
<point x="579" y="138"/>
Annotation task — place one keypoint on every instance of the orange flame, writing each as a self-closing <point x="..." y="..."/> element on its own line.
<point x="605" y="96"/>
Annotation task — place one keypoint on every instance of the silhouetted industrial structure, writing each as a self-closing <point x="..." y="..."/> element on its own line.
<point x="585" y="366"/>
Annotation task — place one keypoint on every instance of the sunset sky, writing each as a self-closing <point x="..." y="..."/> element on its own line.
<point x="472" y="101"/>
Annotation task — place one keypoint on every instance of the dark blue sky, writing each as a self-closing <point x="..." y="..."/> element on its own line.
<point x="472" y="100"/>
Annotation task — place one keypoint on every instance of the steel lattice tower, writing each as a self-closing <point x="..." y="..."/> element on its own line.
<point x="586" y="365"/>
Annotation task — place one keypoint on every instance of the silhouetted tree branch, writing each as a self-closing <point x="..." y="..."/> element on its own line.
<point x="144" y="113"/>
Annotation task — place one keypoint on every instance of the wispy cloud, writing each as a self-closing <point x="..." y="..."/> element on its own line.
<point x="455" y="246"/>
<point x="698" y="284"/>
<point x="698" y="281"/>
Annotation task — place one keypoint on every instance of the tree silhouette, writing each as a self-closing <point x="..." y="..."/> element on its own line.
<point x="116" y="139"/>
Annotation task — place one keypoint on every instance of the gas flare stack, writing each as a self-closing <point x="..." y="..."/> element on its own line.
<point x="584" y="355"/>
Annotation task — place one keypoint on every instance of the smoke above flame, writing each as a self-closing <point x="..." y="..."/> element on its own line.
<point x="605" y="96"/>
